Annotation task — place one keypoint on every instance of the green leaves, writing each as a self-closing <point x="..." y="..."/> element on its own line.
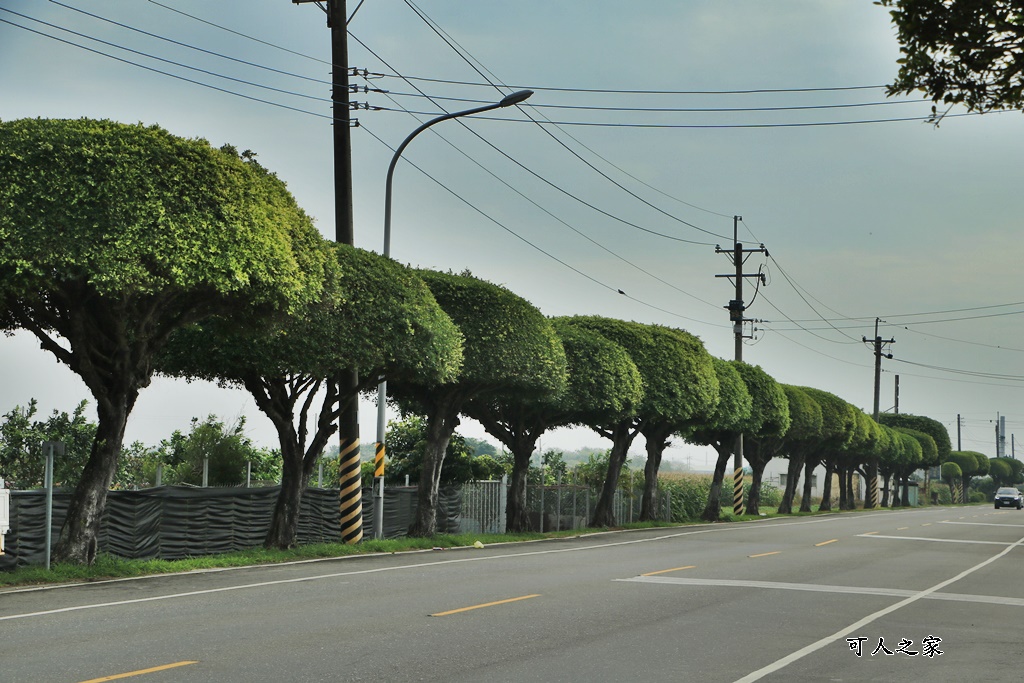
<point x="131" y="208"/>
<point x="961" y="52"/>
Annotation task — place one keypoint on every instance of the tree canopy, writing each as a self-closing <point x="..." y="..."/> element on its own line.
<point x="963" y="51"/>
<point x="374" y="316"/>
<point x="603" y="385"/>
<point x="509" y="348"/>
<point x="112" y="237"/>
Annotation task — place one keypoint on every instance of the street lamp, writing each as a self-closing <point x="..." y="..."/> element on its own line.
<point x="382" y="388"/>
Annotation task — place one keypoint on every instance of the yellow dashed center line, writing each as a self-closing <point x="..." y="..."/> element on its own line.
<point x="927" y="524"/>
<point x="486" y="604"/>
<point x="774" y="552"/>
<point x="869" y="533"/>
<point x="902" y="528"/>
<point x="818" y="545"/>
<point x="666" y="571"/>
<point x="140" y="672"/>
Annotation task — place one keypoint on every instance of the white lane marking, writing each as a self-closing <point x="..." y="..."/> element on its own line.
<point x="935" y="540"/>
<point x="861" y="623"/>
<point x="982" y="524"/>
<point x="823" y="588"/>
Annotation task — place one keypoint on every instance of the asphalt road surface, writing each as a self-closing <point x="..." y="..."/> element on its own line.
<point x="931" y="594"/>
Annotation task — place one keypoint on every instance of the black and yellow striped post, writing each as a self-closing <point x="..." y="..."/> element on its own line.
<point x="872" y="492"/>
<point x="351" y="497"/>
<point x="737" y="491"/>
<point x="378" y="491"/>
<point x="378" y="461"/>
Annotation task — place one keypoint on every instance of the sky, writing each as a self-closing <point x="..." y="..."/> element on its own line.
<point x="653" y="125"/>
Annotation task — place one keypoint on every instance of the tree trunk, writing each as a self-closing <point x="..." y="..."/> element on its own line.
<point x="757" y="466"/>
<point x="276" y="398"/>
<point x="517" y="518"/>
<point x="284" y="524"/>
<point x="885" y="489"/>
<point x="826" y="489"/>
<point x="604" y="511"/>
<point x="905" y="494"/>
<point x="713" y="509"/>
<point x="441" y="424"/>
<point x="805" y="502"/>
<point x="657" y="440"/>
<point x="77" y="542"/>
<point x="851" y="489"/>
<point x="792" y="479"/>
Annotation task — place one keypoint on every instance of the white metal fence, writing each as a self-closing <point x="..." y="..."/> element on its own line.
<point x="557" y="507"/>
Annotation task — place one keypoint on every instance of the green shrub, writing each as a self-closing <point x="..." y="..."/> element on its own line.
<point x="945" y="497"/>
<point x="771" y="496"/>
<point x="976" y="497"/>
<point x="689" y="494"/>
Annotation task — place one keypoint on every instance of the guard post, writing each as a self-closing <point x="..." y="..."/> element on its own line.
<point x="5" y="513"/>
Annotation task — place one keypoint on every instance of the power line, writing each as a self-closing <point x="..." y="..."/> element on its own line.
<point x="159" y="71"/>
<point x="245" y="35"/>
<point x="723" y="126"/>
<point x="528" y="242"/>
<point x="610" y="91"/>
<point x="670" y="110"/>
<point x="191" y="47"/>
<point x="460" y="51"/>
<point x="542" y="178"/>
<point x="579" y="232"/>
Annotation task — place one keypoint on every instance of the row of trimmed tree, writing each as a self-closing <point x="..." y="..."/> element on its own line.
<point x="128" y="251"/>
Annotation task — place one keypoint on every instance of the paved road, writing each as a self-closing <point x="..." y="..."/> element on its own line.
<point x="775" y="600"/>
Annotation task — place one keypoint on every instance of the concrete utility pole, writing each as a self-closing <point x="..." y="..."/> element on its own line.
<point x="736" y="308"/>
<point x="349" y="462"/>
<point x="878" y="342"/>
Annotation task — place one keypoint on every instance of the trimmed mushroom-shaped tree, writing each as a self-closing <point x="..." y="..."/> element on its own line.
<point x="805" y="425"/>
<point x="890" y="453"/>
<point x="732" y="417"/>
<point x="929" y="426"/>
<point x="694" y="401"/>
<point x="663" y="357"/>
<point x="509" y="348"/>
<point x="969" y="463"/>
<point x="952" y="475"/>
<point x="927" y="457"/>
<point x="112" y="237"/>
<point x="375" y="317"/>
<point x="770" y="420"/>
<point x="913" y="456"/>
<point x="603" y="385"/>
<point x="838" y="427"/>
<point x="859" y="454"/>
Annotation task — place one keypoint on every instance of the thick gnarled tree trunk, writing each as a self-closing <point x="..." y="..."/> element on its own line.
<point x="77" y="542"/>
<point x="604" y="512"/>
<point x="657" y="441"/>
<point x="713" y="508"/>
<point x="441" y="424"/>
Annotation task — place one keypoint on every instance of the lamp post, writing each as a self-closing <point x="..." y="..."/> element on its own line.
<point x="382" y="387"/>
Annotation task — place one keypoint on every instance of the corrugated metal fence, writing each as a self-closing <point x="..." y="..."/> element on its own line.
<point x="172" y="522"/>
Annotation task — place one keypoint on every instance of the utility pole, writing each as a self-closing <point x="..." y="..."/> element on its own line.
<point x="349" y="462"/>
<point x="958" y="423"/>
<point x="896" y="408"/>
<point x="738" y="256"/>
<point x="872" y="489"/>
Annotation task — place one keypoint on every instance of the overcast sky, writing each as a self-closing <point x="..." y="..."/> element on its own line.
<point x="654" y="123"/>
